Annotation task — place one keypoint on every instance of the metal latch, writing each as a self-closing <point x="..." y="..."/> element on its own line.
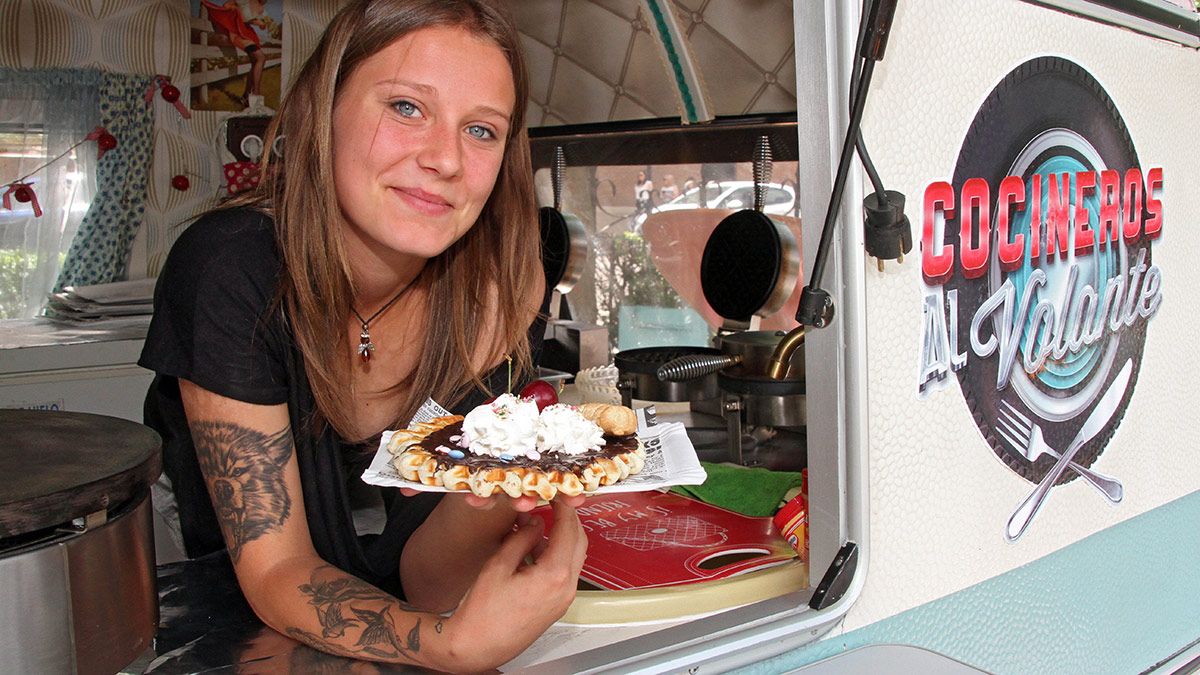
<point x="86" y="523"/>
<point x="837" y="578"/>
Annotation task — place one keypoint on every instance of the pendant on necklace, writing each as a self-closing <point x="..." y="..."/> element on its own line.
<point x="365" y="346"/>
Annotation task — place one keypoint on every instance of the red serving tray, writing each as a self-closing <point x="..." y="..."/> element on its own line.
<point x="654" y="539"/>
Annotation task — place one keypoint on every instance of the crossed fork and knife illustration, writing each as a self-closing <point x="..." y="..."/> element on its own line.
<point x="1025" y="436"/>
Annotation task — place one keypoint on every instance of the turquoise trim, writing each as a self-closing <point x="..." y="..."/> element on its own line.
<point x="664" y="34"/>
<point x="1119" y="601"/>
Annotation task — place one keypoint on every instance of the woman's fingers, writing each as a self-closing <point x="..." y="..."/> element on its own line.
<point x="566" y="548"/>
<point x="522" y="504"/>
<point x="538" y="549"/>
<point x="574" y="502"/>
<point x="581" y="541"/>
<point x="483" y="503"/>
<point x="524" y="517"/>
<point x="516" y="546"/>
<point x="527" y="503"/>
<point x="524" y="599"/>
<point x="568" y="543"/>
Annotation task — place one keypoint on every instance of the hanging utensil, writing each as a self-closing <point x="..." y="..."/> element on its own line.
<point x="565" y="243"/>
<point x="750" y="266"/>
<point x="751" y="263"/>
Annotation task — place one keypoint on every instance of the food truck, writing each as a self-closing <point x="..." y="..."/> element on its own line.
<point x="973" y="209"/>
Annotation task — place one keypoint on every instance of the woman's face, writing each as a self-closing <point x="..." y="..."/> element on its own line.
<point x="419" y="132"/>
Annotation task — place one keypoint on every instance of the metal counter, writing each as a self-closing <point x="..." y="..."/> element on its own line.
<point x="205" y="626"/>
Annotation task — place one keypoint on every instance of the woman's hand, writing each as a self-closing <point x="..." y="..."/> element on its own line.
<point x="520" y="504"/>
<point x="522" y="589"/>
<point x="443" y="558"/>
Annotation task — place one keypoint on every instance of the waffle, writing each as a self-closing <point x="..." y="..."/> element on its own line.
<point x="420" y="454"/>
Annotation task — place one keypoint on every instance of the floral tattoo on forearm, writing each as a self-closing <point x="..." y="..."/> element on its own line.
<point x="244" y="469"/>
<point x="344" y="603"/>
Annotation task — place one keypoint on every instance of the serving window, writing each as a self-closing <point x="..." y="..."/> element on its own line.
<point x="650" y="201"/>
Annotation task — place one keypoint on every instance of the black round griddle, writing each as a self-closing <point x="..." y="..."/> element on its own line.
<point x="58" y="466"/>
<point x="556" y="244"/>
<point x="741" y="265"/>
<point x="647" y="360"/>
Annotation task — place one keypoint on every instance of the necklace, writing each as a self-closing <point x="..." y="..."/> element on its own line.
<point x="365" y="345"/>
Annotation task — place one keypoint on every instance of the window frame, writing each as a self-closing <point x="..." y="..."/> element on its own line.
<point x="1156" y="18"/>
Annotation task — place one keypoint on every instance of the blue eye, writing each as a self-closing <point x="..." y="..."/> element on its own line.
<point x="481" y="132"/>
<point x="406" y="108"/>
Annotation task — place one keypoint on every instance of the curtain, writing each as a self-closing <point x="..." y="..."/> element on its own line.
<point x="42" y="114"/>
<point x="101" y="246"/>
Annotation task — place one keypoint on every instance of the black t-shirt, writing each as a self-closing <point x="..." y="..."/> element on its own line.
<point x="217" y="324"/>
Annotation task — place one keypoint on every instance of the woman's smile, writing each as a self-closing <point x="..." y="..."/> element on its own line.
<point x="424" y="202"/>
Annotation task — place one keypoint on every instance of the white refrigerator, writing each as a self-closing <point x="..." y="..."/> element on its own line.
<point x="90" y="367"/>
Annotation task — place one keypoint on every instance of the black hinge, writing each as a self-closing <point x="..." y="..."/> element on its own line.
<point x="837" y="578"/>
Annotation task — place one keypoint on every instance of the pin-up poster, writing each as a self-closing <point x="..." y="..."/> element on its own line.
<point x="237" y="49"/>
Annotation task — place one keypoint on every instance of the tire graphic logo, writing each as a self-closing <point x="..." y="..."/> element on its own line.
<point x="1039" y="278"/>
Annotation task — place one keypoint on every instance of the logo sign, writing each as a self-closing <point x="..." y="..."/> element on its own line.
<point x="1038" y="272"/>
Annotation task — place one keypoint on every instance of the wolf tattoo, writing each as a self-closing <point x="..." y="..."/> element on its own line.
<point x="244" y="469"/>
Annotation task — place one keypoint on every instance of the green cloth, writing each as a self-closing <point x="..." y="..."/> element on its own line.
<point x="752" y="492"/>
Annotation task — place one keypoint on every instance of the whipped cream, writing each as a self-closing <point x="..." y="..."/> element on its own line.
<point x="508" y="426"/>
<point x="511" y="426"/>
<point x="563" y="430"/>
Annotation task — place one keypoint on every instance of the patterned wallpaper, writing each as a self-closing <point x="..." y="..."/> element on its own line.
<point x="148" y="37"/>
<point x="591" y="61"/>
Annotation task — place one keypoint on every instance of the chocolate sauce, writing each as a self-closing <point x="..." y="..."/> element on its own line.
<point x="550" y="461"/>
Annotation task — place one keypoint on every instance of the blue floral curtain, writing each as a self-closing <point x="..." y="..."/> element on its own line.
<point x="100" y="250"/>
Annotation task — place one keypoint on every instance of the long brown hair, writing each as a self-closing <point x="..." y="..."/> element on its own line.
<point x="500" y="254"/>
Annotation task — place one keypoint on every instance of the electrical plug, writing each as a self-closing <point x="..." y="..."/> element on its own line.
<point x="888" y="233"/>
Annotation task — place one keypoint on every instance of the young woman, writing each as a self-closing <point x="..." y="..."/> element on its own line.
<point x="643" y="193"/>
<point x="391" y="256"/>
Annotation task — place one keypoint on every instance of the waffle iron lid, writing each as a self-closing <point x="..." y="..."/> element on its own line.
<point x="741" y="265"/>
<point x="556" y="244"/>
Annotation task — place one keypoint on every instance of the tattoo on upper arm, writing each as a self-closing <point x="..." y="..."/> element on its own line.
<point x="244" y="469"/>
<point x="343" y="602"/>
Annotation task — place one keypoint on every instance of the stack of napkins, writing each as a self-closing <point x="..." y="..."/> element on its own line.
<point x="102" y="301"/>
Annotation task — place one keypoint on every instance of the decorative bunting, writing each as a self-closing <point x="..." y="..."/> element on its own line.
<point x="24" y="193"/>
<point x="170" y="94"/>
<point x="22" y="190"/>
<point x="104" y="141"/>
